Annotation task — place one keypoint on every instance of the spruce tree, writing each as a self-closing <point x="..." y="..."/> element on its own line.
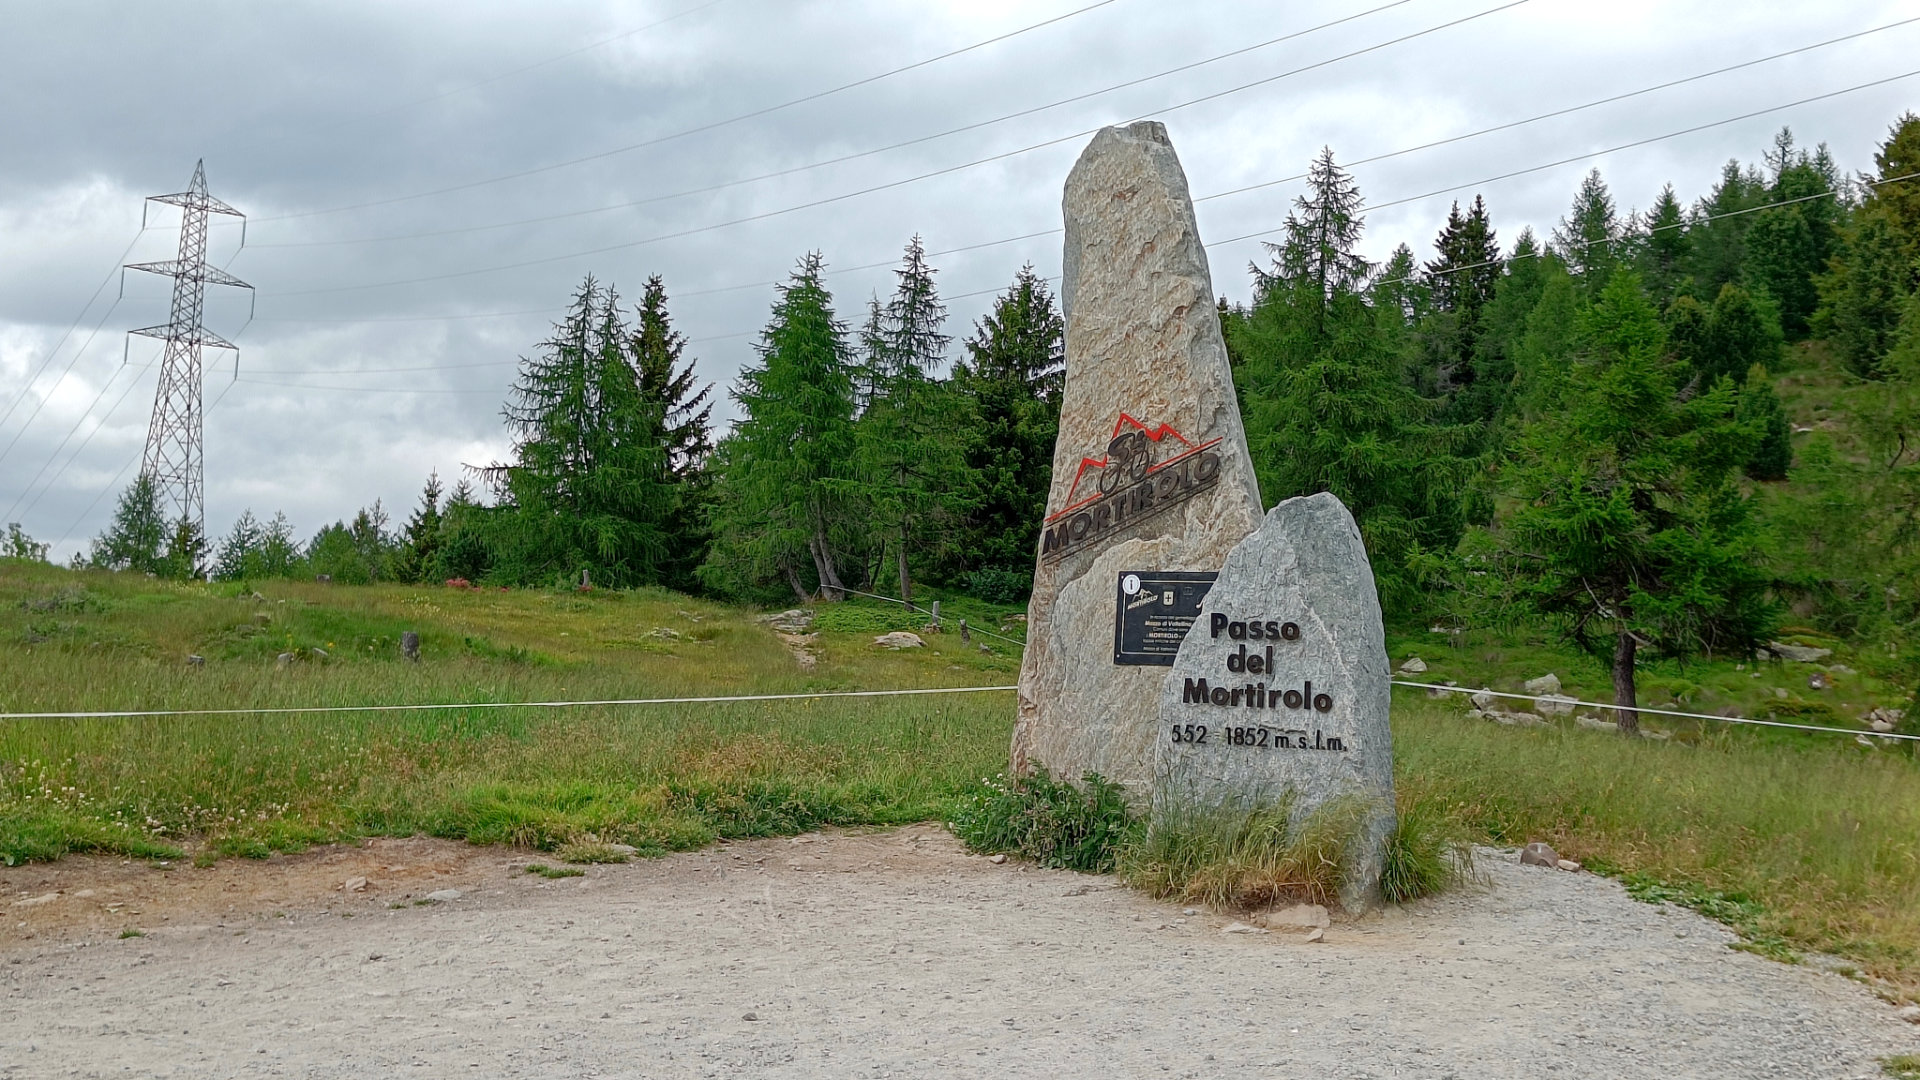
<point x="673" y="393"/>
<point x="1587" y="237"/>
<point x="420" y="537"/>
<point x="1877" y="261"/>
<point x="1325" y="402"/>
<point x="1628" y="526"/>
<point x="907" y="441"/>
<point x="1666" y="250"/>
<point x="185" y="557"/>
<point x="1462" y="282"/>
<point x="1012" y="377"/>
<point x="1761" y="411"/>
<point x="786" y="475"/>
<point x="238" y="557"/>
<point x="1719" y="227"/>
<point x="138" y="533"/>
<point x="589" y="487"/>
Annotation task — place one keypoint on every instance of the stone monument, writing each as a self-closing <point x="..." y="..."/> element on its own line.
<point x="1152" y="485"/>
<point x="1281" y="689"/>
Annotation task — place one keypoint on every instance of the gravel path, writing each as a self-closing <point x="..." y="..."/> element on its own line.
<point x="890" y="954"/>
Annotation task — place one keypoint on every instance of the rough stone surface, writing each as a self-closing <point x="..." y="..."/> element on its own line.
<point x="1305" y="574"/>
<point x="1545" y="684"/>
<point x="1143" y="342"/>
<point x="1538" y="854"/>
<point x="1554" y="705"/>
<point x="1799" y="654"/>
<point x="1413" y="665"/>
<point x="899" y="639"/>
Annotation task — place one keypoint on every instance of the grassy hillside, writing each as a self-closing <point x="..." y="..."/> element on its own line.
<point x="1801" y="841"/>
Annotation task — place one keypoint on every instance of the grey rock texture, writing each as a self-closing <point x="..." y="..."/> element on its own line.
<point x="1305" y="568"/>
<point x="1143" y="340"/>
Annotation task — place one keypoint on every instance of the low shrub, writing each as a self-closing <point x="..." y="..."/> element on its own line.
<point x="1000" y="586"/>
<point x="1055" y="823"/>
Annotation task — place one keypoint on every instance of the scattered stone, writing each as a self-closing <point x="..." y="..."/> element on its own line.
<point x="1819" y="680"/>
<point x="1315" y="934"/>
<point x="354" y="884"/>
<point x="1909" y="1013"/>
<point x="1299" y="916"/>
<point x="1568" y="865"/>
<point x="997" y="859"/>
<point x="1840" y="669"/>
<point x="323" y="578"/>
<point x="318" y="652"/>
<point x="1884" y="720"/>
<point x="1554" y="705"/>
<point x="283" y="659"/>
<point x="1189" y="912"/>
<point x="750" y="1016"/>
<point x="443" y="896"/>
<point x="410" y="645"/>
<point x="86" y="894"/>
<point x="1317" y="698"/>
<point x="1483" y="698"/>
<point x="1240" y="928"/>
<point x="1538" y="854"/>
<point x="1151" y="468"/>
<point x="899" y="639"/>
<point x="37" y="901"/>
<point x="1799" y="654"/>
<point x="196" y="660"/>
<point x="1594" y="723"/>
<point x="790" y="621"/>
<point x="1437" y="693"/>
<point x="1413" y="665"/>
<point x="1510" y="719"/>
<point x="1545" y="684"/>
<point x="1780" y="692"/>
<point x="1655" y="734"/>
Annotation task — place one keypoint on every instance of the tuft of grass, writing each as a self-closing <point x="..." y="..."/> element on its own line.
<point x="1427" y="852"/>
<point x="1057" y="824"/>
<point x="1244" y="859"/>
<point x="132" y="932"/>
<point x="554" y="872"/>
<point x="47" y="833"/>
<point x="1902" y="1066"/>
<point x="588" y="850"/>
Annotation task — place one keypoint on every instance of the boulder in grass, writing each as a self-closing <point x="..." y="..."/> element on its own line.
<point x="1545" y="684"/>
<point x="899" y="639"/>
<point x="1538" y="854"/>
<point x="1413" y="665"/>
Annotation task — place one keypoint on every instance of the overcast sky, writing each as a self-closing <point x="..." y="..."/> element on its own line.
<point x="391" y="310"/>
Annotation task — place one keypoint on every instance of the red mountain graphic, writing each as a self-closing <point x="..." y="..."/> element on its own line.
<point x="1155" y="434"/>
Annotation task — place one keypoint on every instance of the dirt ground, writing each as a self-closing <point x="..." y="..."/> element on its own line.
<point x="870" y="955"/>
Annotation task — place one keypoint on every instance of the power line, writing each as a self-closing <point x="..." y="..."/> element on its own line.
<point x="27" y="383"/>
<point x="1598" y="153"/>
<point x="816" y="96"/>
<point x="48" y="396"/>
<point x="842" y="159"/>
<point x="76" y="450"/>
<point x="829" y="200"/>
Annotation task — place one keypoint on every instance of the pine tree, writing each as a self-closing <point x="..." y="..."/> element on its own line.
<point x="1666" y="250"/>
<point x="238" y="556"/>
<point x="138" y="533"/>
<point x="1760" y="410"/>
<point x="1628" y="524"/>
<point x="185" y="557"/>
<point x="1587" y="237"/>
<point x="1877" y="261"/>
<point x="420" y="537"/>
<point x="1013" y="377"/>
<point x="671" y="388"/>
<point x="1719" y="227"/>
<point x="1462" y="282"/>
<point x="279" y="552"/>
<point x="1325" y="402"/>
<point x="589" y="489"/>
<point x="786" y="477"/>
<point x="906" y="440"/>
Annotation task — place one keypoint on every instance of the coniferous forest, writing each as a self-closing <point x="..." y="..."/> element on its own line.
<point x="1661" y="432"/>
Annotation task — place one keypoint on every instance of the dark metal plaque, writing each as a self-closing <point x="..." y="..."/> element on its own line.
<point x="1152" y="611"/>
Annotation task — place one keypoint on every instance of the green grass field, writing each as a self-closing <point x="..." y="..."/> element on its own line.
<point x="1800" y="841"/>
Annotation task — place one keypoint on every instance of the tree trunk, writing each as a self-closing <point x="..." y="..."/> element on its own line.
<point x="1627" y="716"/>
<point x="830" y="586"/>
<point x="793" y="579"/>
<point x="900" y="558"/>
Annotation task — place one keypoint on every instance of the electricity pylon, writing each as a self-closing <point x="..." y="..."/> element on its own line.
<point x="173" y="455"/>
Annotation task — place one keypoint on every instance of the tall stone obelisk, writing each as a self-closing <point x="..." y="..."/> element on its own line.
<point x="1152" y="485"/>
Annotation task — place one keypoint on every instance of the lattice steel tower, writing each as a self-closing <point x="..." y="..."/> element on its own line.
<point x="173" y="454"/>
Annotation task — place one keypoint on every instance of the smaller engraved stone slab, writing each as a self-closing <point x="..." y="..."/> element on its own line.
<point x="1281" y="688"/>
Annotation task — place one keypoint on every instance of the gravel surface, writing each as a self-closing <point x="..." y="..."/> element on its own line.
<point x="889" y="954"/>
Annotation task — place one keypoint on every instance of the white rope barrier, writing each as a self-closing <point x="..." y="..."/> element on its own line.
<point x="1572" y="702"/>
<point x="442" y="706"/>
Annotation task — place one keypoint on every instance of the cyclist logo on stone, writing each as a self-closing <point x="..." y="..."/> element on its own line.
<point x="1132" y="482"/>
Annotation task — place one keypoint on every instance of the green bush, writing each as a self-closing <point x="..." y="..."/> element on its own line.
<point x="1055" y="823"/>
<point x="1000" y="586"/>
